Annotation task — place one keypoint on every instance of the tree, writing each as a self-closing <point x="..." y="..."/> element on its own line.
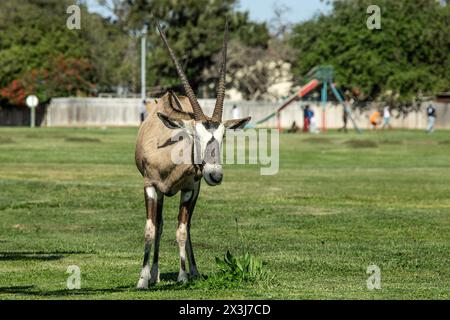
<point x="256" y="73"/>
<point x="411" y="52"/>
<point x="35" y="37"/>
<point x="260" y="72"/>
<point x="194" y="29"/>
<point x="64" y="77"/>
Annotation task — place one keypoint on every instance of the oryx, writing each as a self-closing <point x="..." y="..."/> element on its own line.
<point x="202" y="137"/>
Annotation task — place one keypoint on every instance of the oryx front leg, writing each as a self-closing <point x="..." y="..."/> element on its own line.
<point x="183" y="218"/>
<point x="154" y="273"/>
<point x="151" y="203"/>
<point x="193" y="272"/>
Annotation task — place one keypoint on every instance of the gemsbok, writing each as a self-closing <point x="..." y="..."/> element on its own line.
<point x="155" y="149"/>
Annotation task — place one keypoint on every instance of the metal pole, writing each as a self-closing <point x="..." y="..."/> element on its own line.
<point x="324" y="106"/>
<point x="279" y="122"/>
<point x="143" y="56"/>
<point x="32" y="117"/>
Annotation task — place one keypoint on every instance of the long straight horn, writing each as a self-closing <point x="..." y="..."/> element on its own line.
<point x="198" y="112"/>
<point x="217" y="115"/>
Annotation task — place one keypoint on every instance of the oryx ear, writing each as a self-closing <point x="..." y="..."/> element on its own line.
<point x="236" y="124"/>
<point x="170" y="123"/>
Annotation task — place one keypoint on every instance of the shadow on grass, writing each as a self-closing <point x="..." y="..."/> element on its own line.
<point x="6" y="140"/>
<point x="33" y="291"/>
<point x="36" y="255"/>
<point x="168" y="284"/>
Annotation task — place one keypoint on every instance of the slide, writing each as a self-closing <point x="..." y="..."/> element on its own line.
<point x="301" y="93"/>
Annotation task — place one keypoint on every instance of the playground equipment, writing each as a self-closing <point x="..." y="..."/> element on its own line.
<point x="318" y="75"/>
<point x="301" y="93"/>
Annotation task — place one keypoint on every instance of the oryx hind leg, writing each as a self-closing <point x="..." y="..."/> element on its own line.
<point x="153" y="199"/>
<point x="187" y="204"/>
<point x="154" y="273"/>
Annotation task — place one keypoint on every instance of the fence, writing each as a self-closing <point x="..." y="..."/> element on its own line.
<point x="85" y="112"/>
<point x="20" y="116"/>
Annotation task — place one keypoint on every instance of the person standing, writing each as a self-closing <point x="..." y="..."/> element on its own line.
<point x="306" y="118"/>
<point x="143" y="110"/>
<point x="387" y="117"/>
<point x="294" y="128"/>
<point x="344" y="120"/>
<point x="235" y="112"/>
<point x="312" y="122"/>
<point x="346" y="112"/>
<point x="431" y="112"/>
<point x="375" y="119"/>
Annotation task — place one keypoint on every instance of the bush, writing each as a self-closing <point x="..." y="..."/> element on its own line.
<point x="241" y="269"/>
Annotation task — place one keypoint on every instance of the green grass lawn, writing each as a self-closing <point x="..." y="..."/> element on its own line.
<point x="340" y="203"/>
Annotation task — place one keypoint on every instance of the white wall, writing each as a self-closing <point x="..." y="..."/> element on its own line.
<point x="83" y="112"/>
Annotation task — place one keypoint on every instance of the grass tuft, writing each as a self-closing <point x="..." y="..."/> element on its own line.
<point x="83" y="139"/>
<point x="361" y="144"/>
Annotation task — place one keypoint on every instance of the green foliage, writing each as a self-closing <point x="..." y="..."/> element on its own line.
<point x="194" y="29"/>
<point x="31" y="33"/>
<point x="409" y="54"/>
<point x="233" y="272"/>
<point x="64" y="77"/>
<point x="240" y="269"/>
<point x="34" y="35"/>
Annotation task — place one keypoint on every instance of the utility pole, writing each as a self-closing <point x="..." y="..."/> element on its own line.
<point x="143" y="56"/>
<point x="32" y="102"/>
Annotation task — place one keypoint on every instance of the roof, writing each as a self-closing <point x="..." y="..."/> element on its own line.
<point x="443" y="97"/>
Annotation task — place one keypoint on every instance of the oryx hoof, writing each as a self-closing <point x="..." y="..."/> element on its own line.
<point x="182" y="277"/>
<point x="194" y="274"/>
<point x="154" y="278"/>
<point x="142" y="284"/>
<point x="144" y="278"/>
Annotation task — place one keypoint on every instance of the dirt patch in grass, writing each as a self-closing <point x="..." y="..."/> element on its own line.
<point x="318" y="140"/>
<point x="204" y="245"/>
<point x="393" y="142"/>
<point x="46" y="136"/>
<point x="83" y="139"/>
<point x="361" y="144"/>
<point x="444" y="142"/>
<point x="5" y="140"/>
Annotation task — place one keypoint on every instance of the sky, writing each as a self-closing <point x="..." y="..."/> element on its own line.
<point x="262" y="10"/>
<point x="299" y="10"/>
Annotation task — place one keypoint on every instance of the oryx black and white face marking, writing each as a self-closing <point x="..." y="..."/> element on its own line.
<point x="208" y="137"/>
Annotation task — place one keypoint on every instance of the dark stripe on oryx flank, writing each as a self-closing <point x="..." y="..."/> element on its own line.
<point x="172" y="140"/>
<point x="168" y="142"/>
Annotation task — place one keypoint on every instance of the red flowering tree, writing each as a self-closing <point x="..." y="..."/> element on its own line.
<point x="64" y="77"/>
<point x="15" y="93"/>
